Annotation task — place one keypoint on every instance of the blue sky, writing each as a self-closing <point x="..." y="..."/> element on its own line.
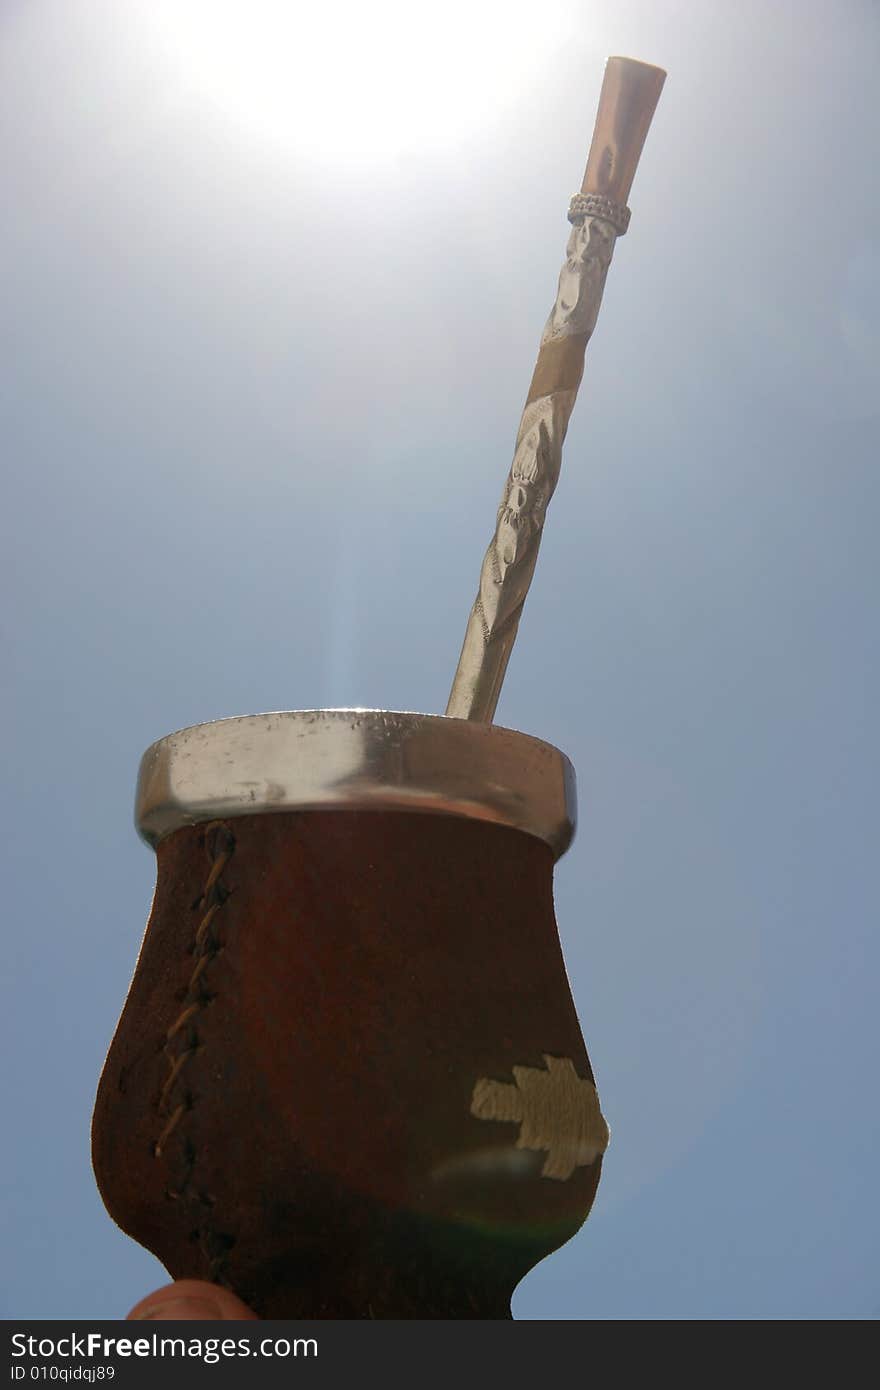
<point x="272" y="297"/>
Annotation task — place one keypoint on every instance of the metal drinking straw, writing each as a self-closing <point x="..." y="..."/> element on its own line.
<point x="599" y="215"/>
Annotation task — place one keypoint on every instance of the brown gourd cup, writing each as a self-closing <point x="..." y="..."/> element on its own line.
<point x="349" y="1080"/>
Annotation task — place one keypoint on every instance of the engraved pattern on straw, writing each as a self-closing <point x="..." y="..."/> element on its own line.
<point x="510" y="560"/>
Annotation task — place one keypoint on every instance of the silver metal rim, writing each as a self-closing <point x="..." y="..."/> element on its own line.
<point x="333" y="759"/>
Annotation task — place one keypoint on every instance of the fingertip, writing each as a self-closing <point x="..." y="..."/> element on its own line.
<point x="191" y="1300"/>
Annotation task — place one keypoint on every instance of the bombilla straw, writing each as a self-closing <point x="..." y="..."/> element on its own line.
<point x="630" y="92"/>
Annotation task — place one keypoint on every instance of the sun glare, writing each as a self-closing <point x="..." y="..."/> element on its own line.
<point x="375" y="78"/>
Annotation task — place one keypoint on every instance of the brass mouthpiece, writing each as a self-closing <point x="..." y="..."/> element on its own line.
<point x="630" y="92"/>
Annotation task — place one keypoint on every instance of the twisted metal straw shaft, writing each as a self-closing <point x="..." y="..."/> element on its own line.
<point x="513" y="551"/>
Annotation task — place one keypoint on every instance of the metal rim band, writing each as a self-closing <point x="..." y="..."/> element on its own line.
<point x="380" y="760"/>
<point x="585" y="205"/>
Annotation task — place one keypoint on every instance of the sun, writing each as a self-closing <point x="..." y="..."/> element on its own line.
<point x="374" y="78"/>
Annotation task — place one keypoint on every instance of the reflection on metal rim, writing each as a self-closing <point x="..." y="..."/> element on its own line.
<point x="333" y="759"/>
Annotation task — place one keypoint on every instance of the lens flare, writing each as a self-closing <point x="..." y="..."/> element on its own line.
<point x="376" y="80"/>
